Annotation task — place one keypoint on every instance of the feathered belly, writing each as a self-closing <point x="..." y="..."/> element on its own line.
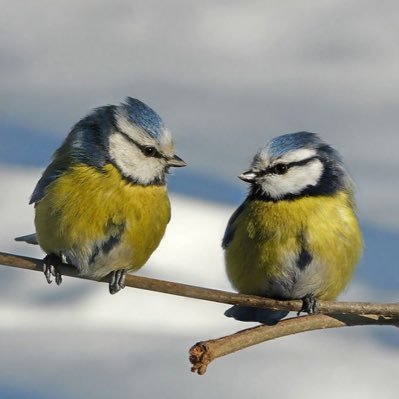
<point x="294" y="248"/>
<point x="101" y="223"/>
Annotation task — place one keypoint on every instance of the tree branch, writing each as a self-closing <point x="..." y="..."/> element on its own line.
<point x="331" y="314"/>
<point x="207" y="294"/>
<point x="204" y="352"/>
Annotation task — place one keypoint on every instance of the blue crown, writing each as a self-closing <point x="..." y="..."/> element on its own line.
<point x="145" y="117"/>
<point x="293" y="141"/>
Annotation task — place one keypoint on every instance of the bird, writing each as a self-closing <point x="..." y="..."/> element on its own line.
<point x="102" y="203"/>
<point x="296" y="235"/>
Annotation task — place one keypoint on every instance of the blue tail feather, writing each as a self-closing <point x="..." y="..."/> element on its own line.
<point x="264" y="316"/>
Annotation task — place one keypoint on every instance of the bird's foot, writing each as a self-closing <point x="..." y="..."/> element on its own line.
<point x="309" y="304"/>
<point x="117" y="282"/>
<point x="50" y="269"/>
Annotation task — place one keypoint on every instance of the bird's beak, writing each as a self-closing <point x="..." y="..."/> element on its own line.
<point x="176" y="161"/>
<point x="249" y="176"/>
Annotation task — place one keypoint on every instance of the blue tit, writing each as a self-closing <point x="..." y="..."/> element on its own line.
<point x="102" y="203"/>
<point x="296" y="235"/>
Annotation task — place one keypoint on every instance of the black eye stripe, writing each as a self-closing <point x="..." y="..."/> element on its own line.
<point x="279" y="169"/>
<point x="145" y="149"/>
<point x="303" y="162"/>
<point x="150" y="151"/>
<point x="282" y="168"/>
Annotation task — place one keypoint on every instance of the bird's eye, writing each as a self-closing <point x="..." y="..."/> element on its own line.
<point x="149" y="151"/>
<point x="279" y="169"/>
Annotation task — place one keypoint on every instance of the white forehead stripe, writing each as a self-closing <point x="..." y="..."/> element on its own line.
<point x="125" y="126"/>
<point x="133" y="131"/>
<point x="297" y="155"/>
<point x="166" y="143"/>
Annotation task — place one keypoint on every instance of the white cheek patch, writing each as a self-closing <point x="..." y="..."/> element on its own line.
<point x="132" y="162"/>
<point x="294" y="181"/>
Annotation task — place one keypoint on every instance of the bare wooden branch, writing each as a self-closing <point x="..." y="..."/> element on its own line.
<point x="203" y="353"/>
<point x="190" y="291"/>
<point x="331" y="314"/>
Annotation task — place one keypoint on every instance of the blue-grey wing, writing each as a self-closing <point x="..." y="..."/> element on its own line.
<point x="230" y="229"/>
<point x="85" y="144"/>
<point x="49" y="175"/>
<point x="113" y="236"/>
<point x="269" y="317"/>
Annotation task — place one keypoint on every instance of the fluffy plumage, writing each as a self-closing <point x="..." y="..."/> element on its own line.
<point x="296" y="235"/>
<point x="102" y="203"/>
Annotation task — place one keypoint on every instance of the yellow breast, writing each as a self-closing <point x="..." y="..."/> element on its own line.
<point x="267" y="240"/>
<point x="80" y="206"/>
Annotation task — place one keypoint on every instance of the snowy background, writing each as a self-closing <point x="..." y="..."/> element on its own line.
<point x="226" y="76"/>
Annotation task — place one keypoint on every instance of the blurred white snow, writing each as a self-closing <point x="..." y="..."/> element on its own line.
<point x="78" y="341"/>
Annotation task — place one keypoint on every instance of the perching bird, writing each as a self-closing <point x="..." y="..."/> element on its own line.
<point x="102" y="203"/>
<point x="296" y="236"/>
